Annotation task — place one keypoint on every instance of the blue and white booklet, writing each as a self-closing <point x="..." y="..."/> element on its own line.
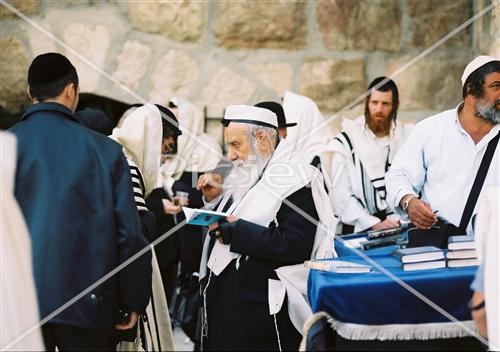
<point x="202" y="217"/>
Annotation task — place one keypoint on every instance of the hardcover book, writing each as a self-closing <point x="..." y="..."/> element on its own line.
<point x="418" y="254"/>
<point x="462" y="254"/>
<point x="461" y="242"/>
<point x="460" y="263"/>
<point x="424" y="265"/>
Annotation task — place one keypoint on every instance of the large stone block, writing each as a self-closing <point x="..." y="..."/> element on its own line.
<point x="226" y="87"/>
<point x="91" y="42"/>
<point x="40" y="42"/>
<point x="13" y="74"/>
<point x="261" y="24"/>
<point x="26" y="7"/>
<point x="360" y="25"/>
<point x="332" y="84"/>
<point x="276" y="75"/>
<point x="182" y="21"/>
<point x="175" y="74"/>
<point x="132" y="63"/>
<point x="431" y="20"/>
<point x="431" y="84"/>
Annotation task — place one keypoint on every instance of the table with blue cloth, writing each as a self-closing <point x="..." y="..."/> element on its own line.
<point x="373" y="311"/>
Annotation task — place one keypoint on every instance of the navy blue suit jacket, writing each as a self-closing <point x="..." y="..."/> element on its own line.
<point x="74" y="188"/>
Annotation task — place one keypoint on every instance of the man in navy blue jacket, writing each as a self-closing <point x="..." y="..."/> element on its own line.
<point x="74" y="188"/>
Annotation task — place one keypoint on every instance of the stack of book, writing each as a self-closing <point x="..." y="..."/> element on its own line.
<point x="461" y="252"/>
<point x="421" y="258"/>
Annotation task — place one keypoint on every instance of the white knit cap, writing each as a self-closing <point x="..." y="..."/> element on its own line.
<point x="251" y="114"/>
<point x="475" y="64"/>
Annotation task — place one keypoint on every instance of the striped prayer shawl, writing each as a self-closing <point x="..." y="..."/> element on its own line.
<point x="138" y="186"/>
<point x="374" y="192"/>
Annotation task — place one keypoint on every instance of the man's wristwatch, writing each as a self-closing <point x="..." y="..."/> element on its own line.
<point x="406" y="202"/>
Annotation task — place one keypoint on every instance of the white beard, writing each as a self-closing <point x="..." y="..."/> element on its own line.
<point x="243" y="176"/>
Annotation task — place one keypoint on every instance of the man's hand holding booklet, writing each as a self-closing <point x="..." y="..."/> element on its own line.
<point x="203" y="217"/>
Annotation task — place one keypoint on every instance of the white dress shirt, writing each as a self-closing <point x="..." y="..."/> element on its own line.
<point x="441" y="160"/>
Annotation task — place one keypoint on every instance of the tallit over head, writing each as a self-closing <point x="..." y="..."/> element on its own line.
<point x="196" y="151"/>
<point x="312" y="133"/>
<point x="140" y="135"/>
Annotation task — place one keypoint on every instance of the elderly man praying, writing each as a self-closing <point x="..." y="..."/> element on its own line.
<point x="276" y="201"/>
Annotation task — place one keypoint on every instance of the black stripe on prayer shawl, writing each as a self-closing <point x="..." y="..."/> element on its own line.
<point x="155" y="320"/>
<point x="142" y="331"/>
<point x="370" y="192"/>
<point x="137" y="186"/>
<point x="251" y="122"/>
<point x="138" y="175"/>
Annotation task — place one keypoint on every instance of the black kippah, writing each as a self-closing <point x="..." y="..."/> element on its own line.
<point x="48" y="68"/>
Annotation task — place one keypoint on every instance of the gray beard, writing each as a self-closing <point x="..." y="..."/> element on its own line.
<point x="487" y="111"/>
<point x="243" y="176"/>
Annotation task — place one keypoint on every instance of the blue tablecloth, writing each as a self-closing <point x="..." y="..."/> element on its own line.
<point x="376" y="299"/>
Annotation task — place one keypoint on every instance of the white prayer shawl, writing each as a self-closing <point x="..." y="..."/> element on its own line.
<point x="488" y="249"/>
<point x="158" y="329"/>
<point x="303" y="111"/>
<point x="260" y="206"/>
<point x="196" y="151"/>
<point x="367" y="173"/>
<point x="140" y="135"/>
<point x="18" y="302"/>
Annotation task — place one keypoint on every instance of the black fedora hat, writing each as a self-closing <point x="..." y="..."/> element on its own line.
<point x="278" y="110"/>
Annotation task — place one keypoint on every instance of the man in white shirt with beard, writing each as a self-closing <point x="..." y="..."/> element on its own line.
<point x="442" y="155"/>
<point x="268" y="184"/>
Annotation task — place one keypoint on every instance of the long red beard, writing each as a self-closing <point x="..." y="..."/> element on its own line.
<point x="380" y="128"/>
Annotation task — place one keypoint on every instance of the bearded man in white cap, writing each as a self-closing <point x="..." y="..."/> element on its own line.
<point x="275" y="200"/>
<point x="445" y="158"/>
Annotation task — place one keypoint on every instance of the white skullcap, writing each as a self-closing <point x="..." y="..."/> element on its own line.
<point x="251" y="114"/>
<point x="475" y="64"/>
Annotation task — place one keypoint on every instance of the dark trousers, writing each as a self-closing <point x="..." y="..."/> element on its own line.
<point x="169" y="278"/>
<point x="70" y="338"/>
<point x="239" y="320"/>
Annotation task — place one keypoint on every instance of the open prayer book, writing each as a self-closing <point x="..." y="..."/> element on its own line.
<point x="337" y="266"/>
<point x="202" y="217"/>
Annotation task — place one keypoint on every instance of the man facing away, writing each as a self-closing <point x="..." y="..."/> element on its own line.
<point x="363" y="153"/>
<point x="441" y="157"/>
<point x="263" y="234"/>
<point x="74" y="188"/>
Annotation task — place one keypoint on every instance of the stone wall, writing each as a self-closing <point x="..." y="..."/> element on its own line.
<point x="221" y="52"/>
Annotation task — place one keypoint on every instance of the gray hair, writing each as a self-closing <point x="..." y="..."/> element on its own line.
<point x="270" y="133"/>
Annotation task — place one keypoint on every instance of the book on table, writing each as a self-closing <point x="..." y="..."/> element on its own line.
<point x="202" y="217"/>
<point x="418" y="254"/>
<point x="438" y="264"/>
<point x="460" y="263"/>
<point x="461" y="242"/>
<point x="461" y="254"/>
<point x="337" y="266"/>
